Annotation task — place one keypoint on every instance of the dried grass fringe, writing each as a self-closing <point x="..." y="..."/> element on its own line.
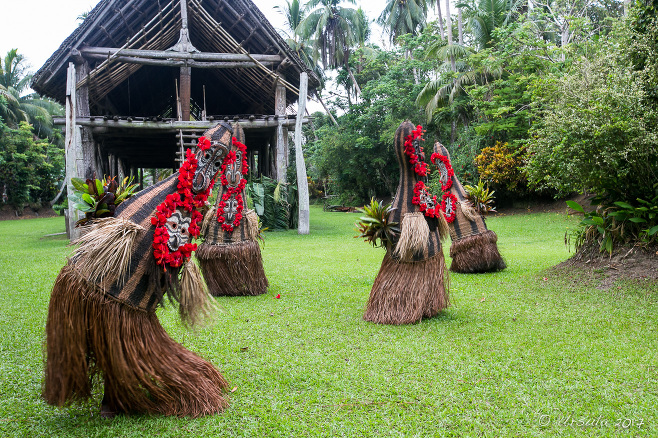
<point x="405" y="293"/>
<point x="253" y="229"/>
<point x="476" y="253"/>
<point x="104" y="252"/>
<point x="468" y="211"/>
<point x="414" y="236"/>
<point x="144" y="370"/>
<point x="196" y="306"/>
<point x="443" y="227"/>
<point x="207" y="220"/>
<point x="233" y="270"/>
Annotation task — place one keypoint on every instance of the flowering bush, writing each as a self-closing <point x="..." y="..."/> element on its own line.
<point x="502" y="166"/>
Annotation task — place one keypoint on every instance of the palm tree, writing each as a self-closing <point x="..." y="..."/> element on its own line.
<point x="451" y="82"/>
<point x="483" y="16"/>
<point x="334" y="31"/>
<point x="438" y="10"/>
<point x="401" y="17"/>
<point x="449" y="30"/>
<point x="293" y="13"/>
<point x="15" y="107"/>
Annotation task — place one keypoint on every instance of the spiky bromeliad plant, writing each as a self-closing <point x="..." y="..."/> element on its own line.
<point x="481" y="197"/>
<point x="375" y="227"/>
<point x="98" y="199"/>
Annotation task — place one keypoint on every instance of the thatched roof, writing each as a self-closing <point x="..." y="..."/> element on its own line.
<point x="215" y="26"/>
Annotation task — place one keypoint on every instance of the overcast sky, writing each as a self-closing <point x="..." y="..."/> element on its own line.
<point x="37" y="27"/>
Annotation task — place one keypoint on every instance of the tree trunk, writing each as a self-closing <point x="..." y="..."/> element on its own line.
<point x="441" y="30"/>
<point x="453" y="64"/>
<point x="326" y="109"/>
<point x="302" y="182"/>
<point x="460" y="26"/>
<point x="356" y="85"/>
<point x="627" y="6"/>
<point x="564" y="39"/>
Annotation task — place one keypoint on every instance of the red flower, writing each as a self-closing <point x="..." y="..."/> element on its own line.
<point x="204" y="143"/>
<point x="277" y="296"/>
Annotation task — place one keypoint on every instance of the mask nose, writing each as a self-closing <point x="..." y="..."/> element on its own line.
<point x="199" y="182"/>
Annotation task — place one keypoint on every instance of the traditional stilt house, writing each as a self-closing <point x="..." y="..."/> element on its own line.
<point x="142" y="79"/>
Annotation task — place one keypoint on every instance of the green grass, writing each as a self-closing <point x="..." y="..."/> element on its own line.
<point x="515" y="355"/>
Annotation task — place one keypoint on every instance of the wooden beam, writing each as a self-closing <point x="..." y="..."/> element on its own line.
<point x="181" y="63"/>
<point x="163" y="54"/>
<point x="101" y="126"/>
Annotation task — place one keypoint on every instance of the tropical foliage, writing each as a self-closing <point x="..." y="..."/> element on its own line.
<point x="375" y="227"/>
<point x="15" y="105"/>
<point x="481" y="196"/>
<point x="99" y="198"/>
<point x="30" y="169"/>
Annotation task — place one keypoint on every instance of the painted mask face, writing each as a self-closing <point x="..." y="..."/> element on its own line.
<point x="443" y="172"/>
<point x="419" y="149"/>
<point x="210" y="162"/>
<point x="177" y="226"/>
<point x="450" y="207"/>
<point x="234" y="170"/>
<point x="426" y="198"/>
<point x="230" y="209"/>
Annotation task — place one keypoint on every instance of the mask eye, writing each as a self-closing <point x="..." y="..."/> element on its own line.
<point x="207" y="156"/>
<point x="218" y="164"/>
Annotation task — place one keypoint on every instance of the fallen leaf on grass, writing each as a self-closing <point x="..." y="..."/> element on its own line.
<point x="545" y="279"/>
<point x="483" y="298"/>
<point x="277" y="296"/>
<point x="244" y="348"/>
<point x="234" y="389"/>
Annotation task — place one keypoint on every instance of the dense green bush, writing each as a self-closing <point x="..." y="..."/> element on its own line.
<point x="594" y="133"/>
<point x="31" y="170"/>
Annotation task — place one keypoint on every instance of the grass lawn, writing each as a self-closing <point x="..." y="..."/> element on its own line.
<point x="525" y="352"/>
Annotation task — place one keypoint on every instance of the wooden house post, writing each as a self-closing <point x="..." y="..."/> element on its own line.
<point x="87" y="160"/>
<point x="71" y="148"/>
<point x="185" y="92"/>
<point x="302" y="183"/>
<point x="281" y="133"/>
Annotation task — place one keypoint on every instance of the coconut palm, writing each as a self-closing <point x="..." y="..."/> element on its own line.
<point x="401" y="17"/>
<point x="451" y="81"/>
<point x="483" y="16"/>
<point x="293" y="13"/>
<point x="15" y="106"/>
<point x="334" y="31"/>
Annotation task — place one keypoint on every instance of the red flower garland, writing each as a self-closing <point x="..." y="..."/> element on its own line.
<point x="446" y="162"/>
<point x="453" y="200"/>
<point x="417" y="200"/>
<point x="420" y="167"/>
<point x="421" y="193"/>
<point x="236" y="192"/>
<point x="185" y="199"/>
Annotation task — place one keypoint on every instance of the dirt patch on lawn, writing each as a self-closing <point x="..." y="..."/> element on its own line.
<point x="8" y="213"/>
<point x="626" y="263"/>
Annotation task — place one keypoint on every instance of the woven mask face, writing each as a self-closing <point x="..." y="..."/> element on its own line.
<point x="177" y="226"/>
